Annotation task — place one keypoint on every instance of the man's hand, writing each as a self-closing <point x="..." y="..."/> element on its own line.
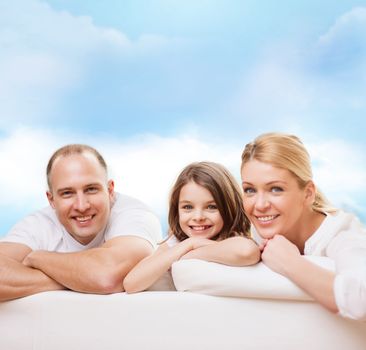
<point x="18" y="280"/>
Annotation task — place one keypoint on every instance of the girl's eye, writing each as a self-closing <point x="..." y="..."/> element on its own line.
<point x="212" y="207"/>
<point x="276" y="189"/>
<point x="187" y="207"/>
<point x="249" y="190"/>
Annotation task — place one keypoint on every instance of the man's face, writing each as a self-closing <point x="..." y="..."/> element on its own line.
<point x="81" y="195"/>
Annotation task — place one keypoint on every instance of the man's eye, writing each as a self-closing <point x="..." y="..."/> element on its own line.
<point x="66" y="194"/>
<point x="92" y="190"/>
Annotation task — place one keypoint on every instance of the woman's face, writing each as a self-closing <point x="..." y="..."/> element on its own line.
<point x="273" y="200"/>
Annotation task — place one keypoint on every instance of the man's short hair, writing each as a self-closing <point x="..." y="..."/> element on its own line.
<point x="70" y="150"/>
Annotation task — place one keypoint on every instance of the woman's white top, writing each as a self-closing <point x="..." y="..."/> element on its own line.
<point x="342" y="237"/>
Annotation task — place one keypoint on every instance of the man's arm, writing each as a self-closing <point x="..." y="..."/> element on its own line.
<point x="18" y="280"/>
<point x="97" y="270"/>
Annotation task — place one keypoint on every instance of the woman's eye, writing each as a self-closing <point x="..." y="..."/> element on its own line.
<point x="276" y="189"/>
<point x="249" y="190"/>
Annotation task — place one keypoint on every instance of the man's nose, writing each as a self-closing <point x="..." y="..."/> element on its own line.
<point x="81" y="202"/>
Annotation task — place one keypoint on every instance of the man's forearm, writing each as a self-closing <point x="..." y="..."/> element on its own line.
<point x="97" y="270"/>
<point x="17" y="280"/>
<point x="88" y="271"/>
<point x="80" y="271"/>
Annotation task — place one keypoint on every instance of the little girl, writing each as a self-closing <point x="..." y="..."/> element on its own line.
<point x="206" y="221"/>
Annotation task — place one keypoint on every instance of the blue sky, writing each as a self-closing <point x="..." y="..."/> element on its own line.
<point x="157" y="84"/>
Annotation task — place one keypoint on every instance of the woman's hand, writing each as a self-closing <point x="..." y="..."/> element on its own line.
<point x="278" y="254"/>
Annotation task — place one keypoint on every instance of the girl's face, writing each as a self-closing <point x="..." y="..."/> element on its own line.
<point x="198" y="212"/>
<point x="273" y="200"/>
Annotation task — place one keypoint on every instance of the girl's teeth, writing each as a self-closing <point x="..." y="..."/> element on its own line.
<point x="199" y="228"/>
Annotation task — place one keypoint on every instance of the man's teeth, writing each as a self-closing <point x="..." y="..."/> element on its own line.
<point x="266" y="218"/>
<point x="83" y="218"/>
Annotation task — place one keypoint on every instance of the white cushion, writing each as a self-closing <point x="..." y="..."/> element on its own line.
<point x="257" y="281"/>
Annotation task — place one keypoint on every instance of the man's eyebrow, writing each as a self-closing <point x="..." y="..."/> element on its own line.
<point x="93" y="184"/>
<point x="64" y="189"/>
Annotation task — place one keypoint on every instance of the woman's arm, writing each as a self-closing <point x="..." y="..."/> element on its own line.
<point x="150" y="269"/>
<point x="283" y="257"/>
<point x="234" y="251"/>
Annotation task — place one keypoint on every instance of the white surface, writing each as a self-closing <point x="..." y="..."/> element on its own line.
<point x="171" y="320"/>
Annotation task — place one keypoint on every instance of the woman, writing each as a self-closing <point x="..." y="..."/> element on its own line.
<point x="294" y="219"/>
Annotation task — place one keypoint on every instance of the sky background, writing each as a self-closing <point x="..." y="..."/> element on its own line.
<point x="155" y="85"/>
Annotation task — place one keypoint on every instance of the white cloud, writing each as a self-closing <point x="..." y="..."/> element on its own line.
<point x="295" y="86"/>
<point x="146" y="167"/>
<point x="351" y="25"/>
<point x="45" y="54"/>
<point x="340" y="173"/>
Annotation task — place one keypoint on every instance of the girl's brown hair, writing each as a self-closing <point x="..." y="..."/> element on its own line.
<point x="225" y="191"/>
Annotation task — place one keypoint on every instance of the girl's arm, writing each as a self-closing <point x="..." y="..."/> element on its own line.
<point x="284" y="257"/>
<point x="234" y="251"/>
<point x="150" y="269"/>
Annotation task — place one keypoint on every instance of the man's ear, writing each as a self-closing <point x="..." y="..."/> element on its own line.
<point x="111" y="188"/>
<point x="50" y="199"/>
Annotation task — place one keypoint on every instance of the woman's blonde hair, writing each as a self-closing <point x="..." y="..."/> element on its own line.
<point x="286" y="152"/>
<point x="225" y="191"/>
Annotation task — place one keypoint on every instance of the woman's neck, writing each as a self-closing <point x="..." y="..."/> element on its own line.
<point x="310" y="223"/>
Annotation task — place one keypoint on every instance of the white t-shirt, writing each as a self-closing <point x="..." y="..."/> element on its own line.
<point x="43" y="231"/>
<point x="342" y="237"/>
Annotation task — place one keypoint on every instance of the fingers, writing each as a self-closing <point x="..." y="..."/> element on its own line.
<point x="263" y="244"/>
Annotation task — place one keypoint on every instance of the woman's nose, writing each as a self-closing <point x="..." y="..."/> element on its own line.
<point x="262" y="202"/>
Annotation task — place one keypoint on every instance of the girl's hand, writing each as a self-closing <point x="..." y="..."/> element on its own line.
<point x="197" y="242"/>
<point x="279" y="253"/>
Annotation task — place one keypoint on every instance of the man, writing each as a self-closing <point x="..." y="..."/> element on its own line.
<point x="87" y="240"/>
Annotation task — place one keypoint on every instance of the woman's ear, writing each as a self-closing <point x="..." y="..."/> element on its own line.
<point x="310" y="192"/>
